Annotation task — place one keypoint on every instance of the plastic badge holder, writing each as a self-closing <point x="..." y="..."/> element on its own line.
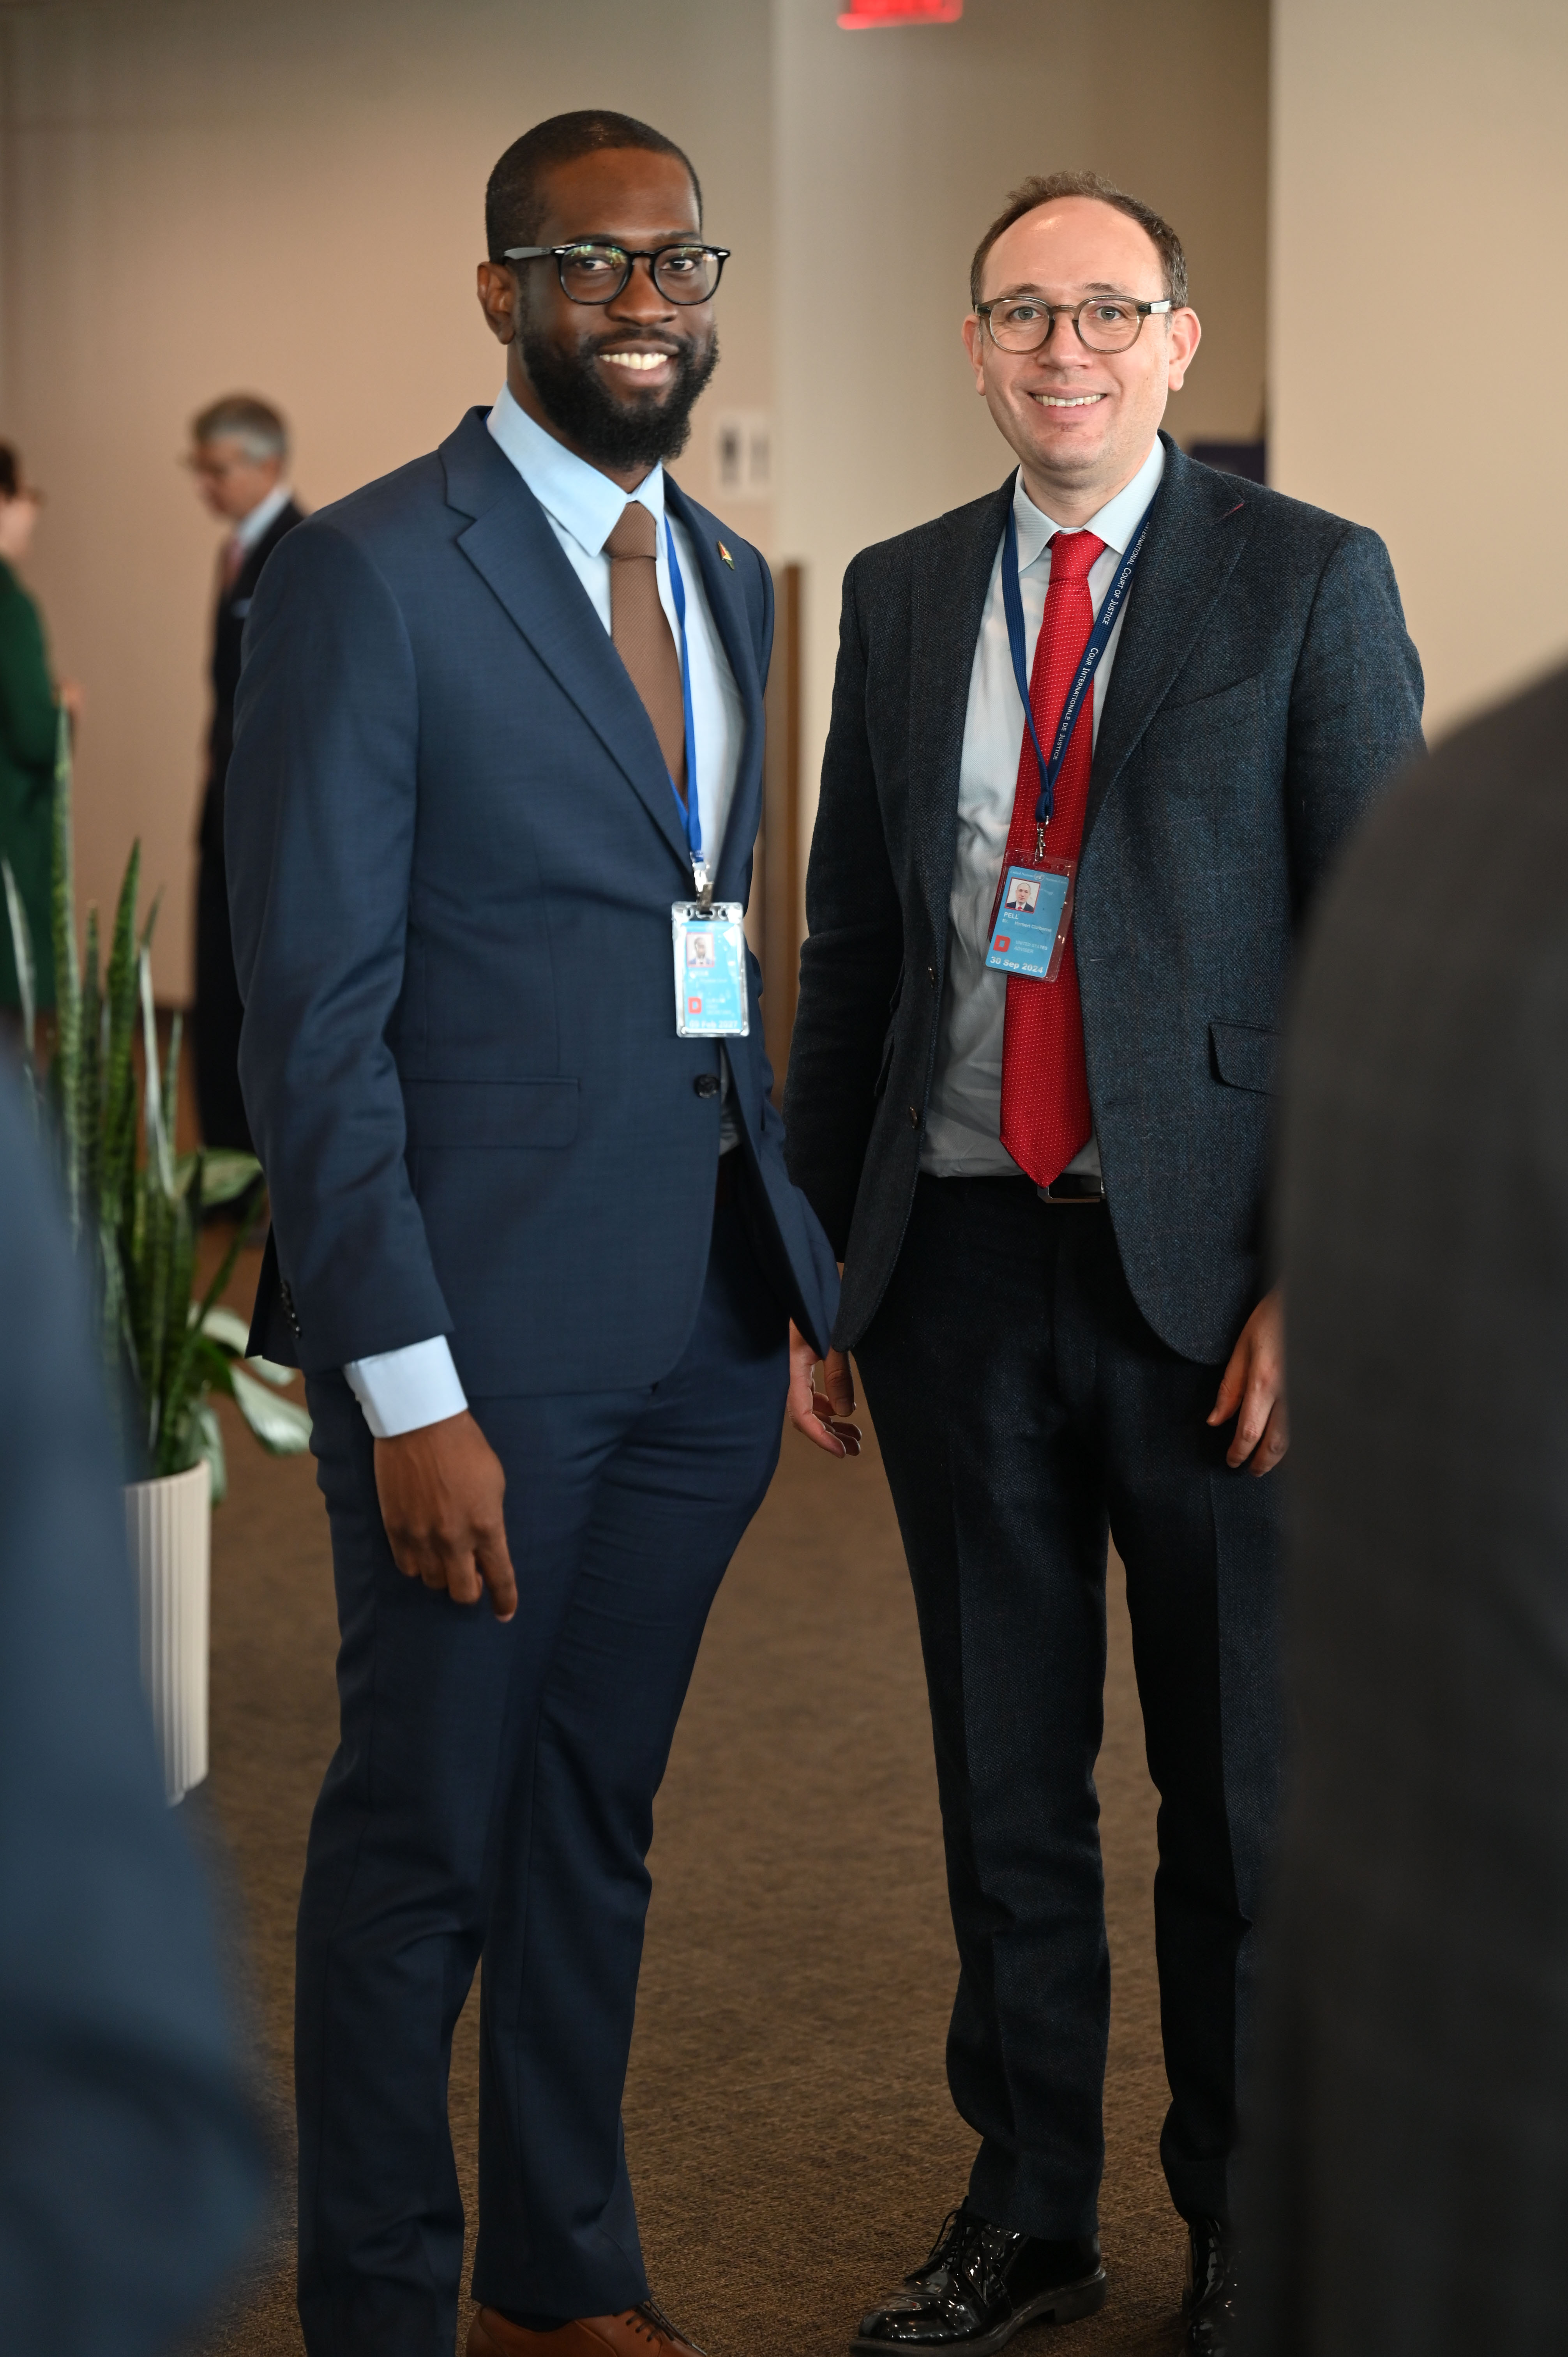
<point x="1031" y="919"/>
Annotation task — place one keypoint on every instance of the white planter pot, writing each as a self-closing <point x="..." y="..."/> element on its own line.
<point x="169" y="1529"/>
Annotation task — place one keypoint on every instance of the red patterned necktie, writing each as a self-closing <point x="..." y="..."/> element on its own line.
<point x="1046" y="1117"/>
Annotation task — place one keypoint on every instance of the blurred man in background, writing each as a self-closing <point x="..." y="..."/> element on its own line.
<point x="131" y="2169"/>
<point x="239" y="456"/>
<point x="1407" y="2138"/>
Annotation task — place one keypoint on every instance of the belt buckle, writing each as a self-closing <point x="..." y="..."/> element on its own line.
<point x="1082" y="1187"/>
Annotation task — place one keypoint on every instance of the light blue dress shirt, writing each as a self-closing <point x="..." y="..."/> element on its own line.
<point x="402" y="1390"/>
<point x="963" y="1126"/>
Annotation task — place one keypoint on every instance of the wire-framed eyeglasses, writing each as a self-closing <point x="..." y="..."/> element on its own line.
<point x="592" y="270"/>
<point x="1104" y="323"/>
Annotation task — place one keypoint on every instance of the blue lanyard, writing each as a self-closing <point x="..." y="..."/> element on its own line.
<point x="1098" y="639"/>
<point x="691" y="810"/>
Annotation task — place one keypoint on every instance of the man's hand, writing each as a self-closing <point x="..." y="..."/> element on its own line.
<point x="1252" y="1389"/>
<point x="822" y="1415"/>
<point x="441" y="1489"/>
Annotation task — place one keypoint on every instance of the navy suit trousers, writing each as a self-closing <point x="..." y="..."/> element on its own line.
<point x="1024" y="1407"/>
<point x="493" y="1791"/>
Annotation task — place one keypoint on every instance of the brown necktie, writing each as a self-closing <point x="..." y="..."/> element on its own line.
<point x="641" y="629"/>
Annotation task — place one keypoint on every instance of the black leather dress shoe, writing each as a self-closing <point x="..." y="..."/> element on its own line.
<point x="980" y="2286"/>
<point x="1211" y="2297"/>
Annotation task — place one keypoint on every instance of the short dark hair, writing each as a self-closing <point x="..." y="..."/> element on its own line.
<point x="1047" y="191"/>
<point x="515" y="199"/>
<point x="10" y="472"/>
<point x="241" y="417"/>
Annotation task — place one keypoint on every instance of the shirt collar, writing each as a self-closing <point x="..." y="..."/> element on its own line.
<point x="263" y="516"/>
<point x="1115" y="522"/>
<point x="581" y="501"/>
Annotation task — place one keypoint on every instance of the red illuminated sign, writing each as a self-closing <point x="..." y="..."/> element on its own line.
<point x="865" y="15"/>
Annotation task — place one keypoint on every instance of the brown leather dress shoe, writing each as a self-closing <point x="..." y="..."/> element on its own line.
<point x="644" y="2332"/>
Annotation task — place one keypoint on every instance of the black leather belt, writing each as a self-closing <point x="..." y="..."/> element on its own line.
<point x="1074" y="1187"/>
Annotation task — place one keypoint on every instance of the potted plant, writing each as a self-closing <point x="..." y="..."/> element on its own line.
<point x="135" y="1209"/>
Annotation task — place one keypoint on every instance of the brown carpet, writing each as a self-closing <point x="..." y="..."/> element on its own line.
<point x="791" y="2140"/>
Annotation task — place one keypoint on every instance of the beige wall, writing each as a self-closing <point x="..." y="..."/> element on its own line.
<point x="1419" y="341"/>
<point x="894" y="150"/>
<point x="287" y="198"/>
<point x="202" y="198"/>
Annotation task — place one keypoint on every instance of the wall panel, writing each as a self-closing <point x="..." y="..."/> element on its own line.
<point x="1418" y="346"/>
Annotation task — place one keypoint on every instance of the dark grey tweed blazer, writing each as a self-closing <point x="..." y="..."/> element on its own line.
<point x="1264" y="688"/>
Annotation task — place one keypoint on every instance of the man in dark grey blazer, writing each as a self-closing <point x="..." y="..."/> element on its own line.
<point x="1048" y="1191"/>
<point x="1405" y="2174"/>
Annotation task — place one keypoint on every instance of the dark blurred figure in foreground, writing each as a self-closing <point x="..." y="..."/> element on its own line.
<point x="1409" y="2131"/>
<point x="27" y="725"/>
<point x="239" y="455"/>
<point x="131" y="2170"/>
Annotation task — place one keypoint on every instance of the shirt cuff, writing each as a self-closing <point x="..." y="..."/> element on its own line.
<point x="402" y="1390"/>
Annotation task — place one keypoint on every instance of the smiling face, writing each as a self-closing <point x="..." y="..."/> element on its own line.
<point x="614" y="382"/>
<point x="1082" y="423"/>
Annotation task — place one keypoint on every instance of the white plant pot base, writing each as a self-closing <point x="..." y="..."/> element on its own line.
<point x="168" y="1530"/>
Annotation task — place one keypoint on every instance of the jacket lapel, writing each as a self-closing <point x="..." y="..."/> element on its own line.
<point x="726" y="604"/>
<point x="1198" y="528"/>
<point x="951" y="575"/>
<point x="510" y="544"/>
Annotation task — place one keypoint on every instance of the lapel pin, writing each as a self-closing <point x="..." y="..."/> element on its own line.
<point x="725" y="554"/>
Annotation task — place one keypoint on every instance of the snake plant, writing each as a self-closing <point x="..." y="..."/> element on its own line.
<point x="133" y="1206"/>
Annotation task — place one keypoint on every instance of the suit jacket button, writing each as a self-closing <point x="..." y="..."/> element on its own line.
<point x="706" y="1084"/>
<point x="914" y="1117"/>
<point x="931" y="976"/>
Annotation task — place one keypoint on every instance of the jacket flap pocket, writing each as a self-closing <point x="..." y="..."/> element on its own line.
<point x="464" y="1114"/>
<point x="1244" y="1055"/>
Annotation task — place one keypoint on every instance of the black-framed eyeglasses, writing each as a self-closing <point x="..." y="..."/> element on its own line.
<point x="1104" y="323"/>
<point x="592" y="270"/>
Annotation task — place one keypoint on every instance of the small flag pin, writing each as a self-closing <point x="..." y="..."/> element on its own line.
<point x="725" y="554"/>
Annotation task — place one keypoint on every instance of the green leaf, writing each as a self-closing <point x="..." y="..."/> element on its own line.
<point x="224" y="1174"/>
<point x="89" y="1085"/>
<point x="278" y="1424"/>
<point x="64" y="1073"/>
<point x="209" y="1436"/>
<point x="211" y="1368"/>
<point x="22" y="956"/>
<point x="229" y="1331"/>
<point x="119" y="1074"/>
<point x="224" y="1326"/>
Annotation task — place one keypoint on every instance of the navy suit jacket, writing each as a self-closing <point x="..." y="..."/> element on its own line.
<point x="1264" y="689"/>
<point x="453" y="849"/>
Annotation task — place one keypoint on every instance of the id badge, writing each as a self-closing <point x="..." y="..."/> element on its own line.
<point x="710" y="970"/>
<point x="1030" y="922"/>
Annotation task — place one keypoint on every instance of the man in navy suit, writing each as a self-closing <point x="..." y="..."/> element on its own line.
<point x="535" y="1248"/>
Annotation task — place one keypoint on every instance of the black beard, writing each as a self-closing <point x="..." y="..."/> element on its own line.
<point x="641" y="433"/>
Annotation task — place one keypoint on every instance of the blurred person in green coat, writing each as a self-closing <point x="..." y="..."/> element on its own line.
<point x="27" y="721"/>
